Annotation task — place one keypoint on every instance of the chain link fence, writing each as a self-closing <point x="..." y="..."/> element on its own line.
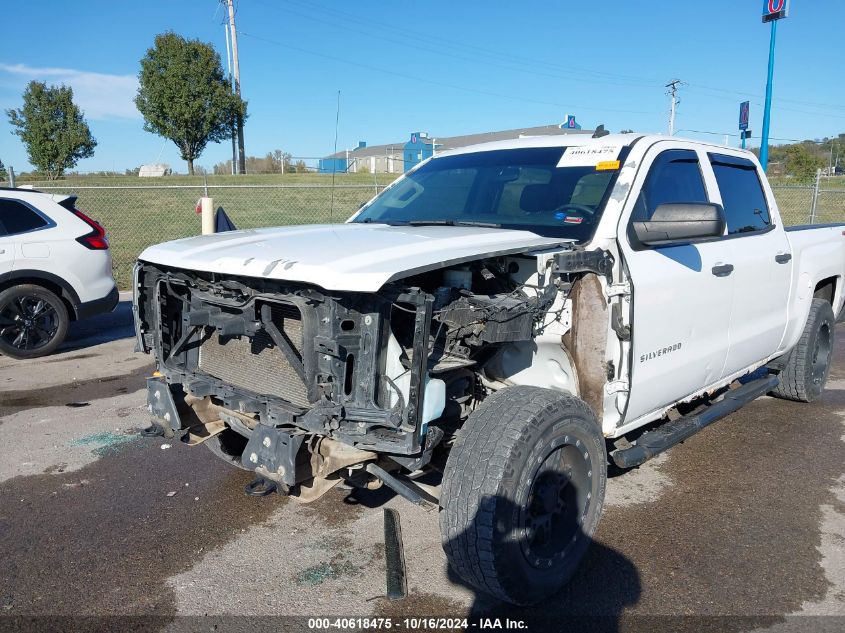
<point x="139" y="216"/>
<point x="810" y="204"/>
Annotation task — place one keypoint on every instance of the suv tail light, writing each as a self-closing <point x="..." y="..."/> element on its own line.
<point x="96" y="240"/>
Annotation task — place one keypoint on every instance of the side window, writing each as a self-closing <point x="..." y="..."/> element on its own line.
<point x="674" y="176"/>
<point x="746" y="209"/>
<point x="16" y="217"/>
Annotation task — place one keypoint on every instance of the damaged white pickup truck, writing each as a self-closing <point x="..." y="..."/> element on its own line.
<point x="530" y="306"/>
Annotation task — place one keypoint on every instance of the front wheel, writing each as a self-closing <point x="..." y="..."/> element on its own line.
<point x="33" y="322"/>
<point x="522" y="493"/>
<point x="808" y="364"/>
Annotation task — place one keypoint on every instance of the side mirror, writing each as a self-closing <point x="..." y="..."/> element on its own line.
<point x="680" y="222"/>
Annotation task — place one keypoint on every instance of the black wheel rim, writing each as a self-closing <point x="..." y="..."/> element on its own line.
<point x="28" y="322"/>
<point x="821" y="354"/>
<point x="558" y="500"/>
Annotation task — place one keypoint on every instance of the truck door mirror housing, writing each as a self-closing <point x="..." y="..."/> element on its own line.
<point x="679" y="222"/>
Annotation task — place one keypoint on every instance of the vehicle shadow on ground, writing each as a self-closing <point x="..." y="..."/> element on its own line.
<point x="602" y="587"/>
<point x="103" y="328"/>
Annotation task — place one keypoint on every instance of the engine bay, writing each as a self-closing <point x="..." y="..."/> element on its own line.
<point x="393" y="372"/>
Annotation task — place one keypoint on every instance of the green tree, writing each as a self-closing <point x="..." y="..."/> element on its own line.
<point x="802" y="161"/>
<point x="184" y="96"/>
<point x="4" y="175"/>
<point x="52" y="128"/>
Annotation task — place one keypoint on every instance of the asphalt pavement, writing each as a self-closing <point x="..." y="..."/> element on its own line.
<point x="741" y="528"/>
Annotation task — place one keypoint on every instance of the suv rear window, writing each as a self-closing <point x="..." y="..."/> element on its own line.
<point x="16" y="217"/>
<point x="746" y="209"/>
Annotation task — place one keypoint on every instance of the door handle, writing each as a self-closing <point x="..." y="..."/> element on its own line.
<point x="783" y="258"/>
<point x="722" y="270"/>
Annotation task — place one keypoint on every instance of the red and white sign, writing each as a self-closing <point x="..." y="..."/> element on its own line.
<point x="775" y="10"/>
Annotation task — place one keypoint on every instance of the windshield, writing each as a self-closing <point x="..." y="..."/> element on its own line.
<point x="514" y="189"/>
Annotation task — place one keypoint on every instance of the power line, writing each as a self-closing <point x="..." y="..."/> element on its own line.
<point x="510" y="62"/>
<point x="376" y="30"/>
<point x="745" y="93"/>
<point x="432" y="81"/>
<point x="380" y="27"/>
<point x="698" y="87"/>
<point x="771" y="138"/>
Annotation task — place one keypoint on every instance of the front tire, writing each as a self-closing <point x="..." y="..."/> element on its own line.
<point x="33" y="322"/>
<point x="808" y="364"/>
<point x="522" y="493"/>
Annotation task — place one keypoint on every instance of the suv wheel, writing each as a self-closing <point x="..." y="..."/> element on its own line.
<point x="33" y="322"/>
<point x="522" y="493"/>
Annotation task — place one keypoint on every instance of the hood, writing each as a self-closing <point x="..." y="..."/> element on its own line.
<point x="357" y="256"/>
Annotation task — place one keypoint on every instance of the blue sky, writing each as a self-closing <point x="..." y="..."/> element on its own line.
<point x="448" y="68"/>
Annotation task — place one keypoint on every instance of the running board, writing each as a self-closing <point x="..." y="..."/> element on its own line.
<point x="653" y="443"/>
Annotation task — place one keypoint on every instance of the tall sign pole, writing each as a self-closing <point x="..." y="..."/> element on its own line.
<point x="773" y="11"/>
<point x="744" y="118"/>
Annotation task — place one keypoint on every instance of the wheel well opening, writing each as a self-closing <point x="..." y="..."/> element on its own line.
<point x="47" y="285"/>
<point x="826" y="289"/>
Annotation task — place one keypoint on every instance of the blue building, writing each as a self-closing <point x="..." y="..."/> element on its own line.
<point x="399" y="157"/>
<point x="417" y="150"/>
<point x="333" y="165"/>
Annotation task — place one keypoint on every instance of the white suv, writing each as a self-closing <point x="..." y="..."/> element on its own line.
<point x="55" y="267"/>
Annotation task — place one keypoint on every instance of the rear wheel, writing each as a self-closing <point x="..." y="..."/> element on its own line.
<point x="522" y="493"/>
<point x="33" y="321"/>
<point x="808" y="364"/>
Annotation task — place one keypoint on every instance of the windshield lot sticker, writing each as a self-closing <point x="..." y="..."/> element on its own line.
<point x="589" y="155"/>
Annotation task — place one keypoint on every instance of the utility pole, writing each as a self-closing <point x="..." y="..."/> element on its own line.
<point x="237" y="77"/>
<point x="673" y="93"/>
<point x="231" y="87"/>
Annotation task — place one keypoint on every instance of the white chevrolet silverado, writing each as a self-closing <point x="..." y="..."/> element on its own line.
<point x="531" y="309"/>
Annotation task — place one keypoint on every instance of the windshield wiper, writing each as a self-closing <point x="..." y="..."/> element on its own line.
<point x="489" y="225"/>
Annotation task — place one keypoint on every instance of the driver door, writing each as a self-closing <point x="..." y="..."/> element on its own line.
<point x="681" y="298"/>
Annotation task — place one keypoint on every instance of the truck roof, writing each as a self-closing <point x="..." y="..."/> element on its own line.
<point x="624" y="140"/>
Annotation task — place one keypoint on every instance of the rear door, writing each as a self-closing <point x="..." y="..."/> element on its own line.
<point x="681" y="299"/>
<point x="761" y="259"/>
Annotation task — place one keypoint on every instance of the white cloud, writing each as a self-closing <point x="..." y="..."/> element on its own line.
<point x="99" y="95"/>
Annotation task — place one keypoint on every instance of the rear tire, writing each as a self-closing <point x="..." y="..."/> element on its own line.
<point x="33" y="322"/>
<point x="808" y="364"/>
<point x="522" y="493"/>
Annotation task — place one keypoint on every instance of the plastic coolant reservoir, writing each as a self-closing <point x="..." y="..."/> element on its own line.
<point x="434" y="402"/>
<point x="434" y="395"/>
